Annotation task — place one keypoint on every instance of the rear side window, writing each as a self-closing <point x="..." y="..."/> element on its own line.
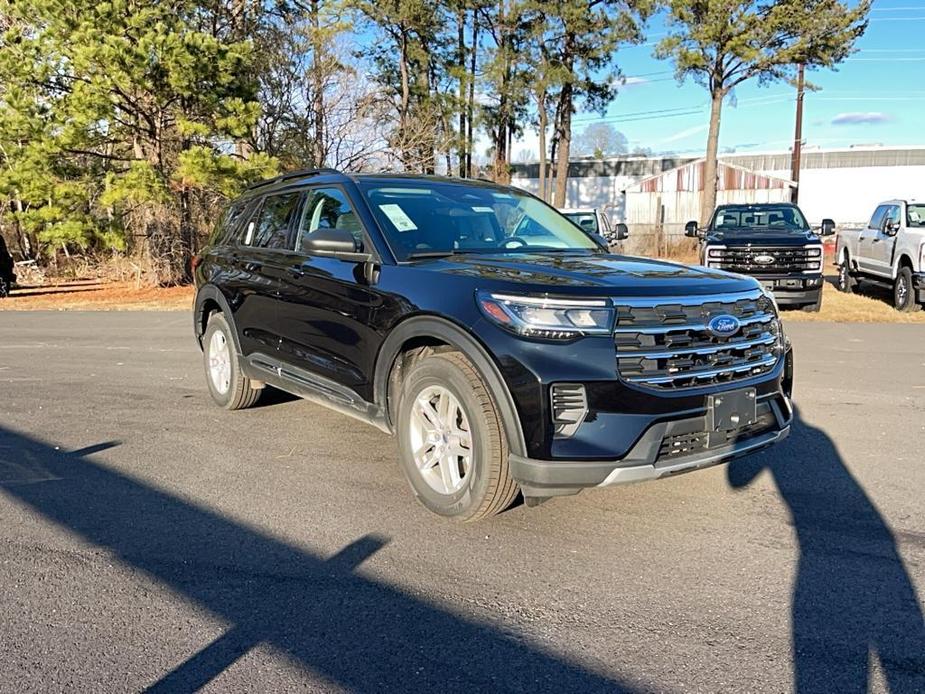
<point x="877" y="220"/>
<point x="227" y="223"/>
<point x="270" y="226"/>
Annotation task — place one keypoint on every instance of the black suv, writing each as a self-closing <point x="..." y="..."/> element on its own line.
<point x="771" y="242"/>
<point x="502" y="344"/>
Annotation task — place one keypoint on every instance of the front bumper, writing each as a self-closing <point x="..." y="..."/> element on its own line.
<point x="648" y="459"/>
<point x="793" y="290"/>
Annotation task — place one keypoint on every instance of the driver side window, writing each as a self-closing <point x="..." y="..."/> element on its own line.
<point x="327" y="208"/>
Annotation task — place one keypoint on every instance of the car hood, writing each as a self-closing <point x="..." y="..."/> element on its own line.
<point x="759" y="238"/>
<point x="604" y="274"/>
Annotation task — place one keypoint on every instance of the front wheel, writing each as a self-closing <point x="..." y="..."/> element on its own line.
<point x="452" y="443"/>
<point x="904" y="298"/>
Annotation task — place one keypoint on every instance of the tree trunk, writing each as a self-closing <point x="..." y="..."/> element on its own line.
<point x="318" y="146"/>
<point x="461" y="66"/>
<point x="405" y="101"/>
<point x="708" y="200"/>
<point x="185" y="267"/>
<point x="543" y="118"/>
<point x="564" y="144"/>
<point x="470" y="106"/>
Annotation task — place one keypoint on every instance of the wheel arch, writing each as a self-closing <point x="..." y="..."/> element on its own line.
<point x="209" y="299"/>
<point x="434" y="331"/>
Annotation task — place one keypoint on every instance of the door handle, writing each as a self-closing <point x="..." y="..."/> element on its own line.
<point x="252" y="266"/>
<point x="296" y="272"/>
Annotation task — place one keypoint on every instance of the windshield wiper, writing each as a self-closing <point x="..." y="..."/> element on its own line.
<point x="415" y="255"/>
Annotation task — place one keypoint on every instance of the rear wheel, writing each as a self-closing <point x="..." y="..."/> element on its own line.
<point x="904" y="298"/>
<point x="846" y="281"/>
<point x="452" y="443"/>
<point x="228" y="385"/>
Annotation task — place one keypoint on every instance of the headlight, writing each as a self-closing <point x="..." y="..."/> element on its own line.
<point x="715" y="251"/>
<point x="770" y="295"/>
<point x="552" y="319"/>
<point x="814" y="251"/>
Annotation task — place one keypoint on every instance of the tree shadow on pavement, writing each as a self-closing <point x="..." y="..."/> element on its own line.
<point x="356" y="632"/>
<point x="853" y="599"/>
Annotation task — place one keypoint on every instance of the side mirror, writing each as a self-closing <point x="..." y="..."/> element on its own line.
<point x="891" y="228"/>
<point x="692" y="230"/>
<point x="334" y="243"/>
<point x="621" y="231"/>
<point x="827" y="228"/>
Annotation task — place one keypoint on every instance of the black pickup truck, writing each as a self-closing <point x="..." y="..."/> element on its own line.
<point x="773" y="243"/>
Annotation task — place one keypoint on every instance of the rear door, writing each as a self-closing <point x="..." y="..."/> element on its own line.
<point x="327" y="309"/>
<point x="260" y="257"/>
<point x="867" y="239"/>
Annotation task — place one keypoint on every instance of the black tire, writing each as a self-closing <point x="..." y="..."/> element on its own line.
<point x="4" y="288"/>
<point x="813" y="308"/>
<point x="846" y="282"/>
<point x="240" y="393"/>
<point x="904" y="298"/>
<point x="487" y="487"/>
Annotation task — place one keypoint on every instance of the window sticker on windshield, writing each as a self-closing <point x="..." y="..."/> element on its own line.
<point x="490" y="210"/>
<point x="398" y="217"/>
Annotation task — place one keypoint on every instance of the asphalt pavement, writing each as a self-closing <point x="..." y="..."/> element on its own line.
<point x="149" y="539"/>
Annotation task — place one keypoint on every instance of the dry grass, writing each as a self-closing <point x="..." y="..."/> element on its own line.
<point x="873" y="305"/>
<point x="96" y="295"/>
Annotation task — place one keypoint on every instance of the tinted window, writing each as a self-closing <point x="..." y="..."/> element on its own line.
<point x="877" y="219"/>
<point x="892" y="215"/>
<point x="228" y="222"/>
<point x="587" y="221"/>
<point x="328" y="208"/>
<point x="769" y="218"/>
<point x="271" y="223"/>
<point x="436" y="216"/>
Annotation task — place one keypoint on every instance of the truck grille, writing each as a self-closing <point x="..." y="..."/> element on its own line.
<point x="669" y="346"/>
<point x="784" y="259"/>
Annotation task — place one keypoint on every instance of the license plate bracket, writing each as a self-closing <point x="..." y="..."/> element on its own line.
<point x="730" y="411"/>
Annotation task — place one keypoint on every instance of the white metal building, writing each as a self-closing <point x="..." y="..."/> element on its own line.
<point x="673" y="197"/>
<point x="843" y="184"/>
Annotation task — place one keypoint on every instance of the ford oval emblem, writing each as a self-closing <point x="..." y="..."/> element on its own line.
<point x="764" y="259"/>
<point x="724" y="325"/>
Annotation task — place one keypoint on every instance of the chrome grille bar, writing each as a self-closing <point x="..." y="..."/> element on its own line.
<point x="654" y="350"/>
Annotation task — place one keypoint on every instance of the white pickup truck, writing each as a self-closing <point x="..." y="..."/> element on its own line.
<point x="889" y="251"/>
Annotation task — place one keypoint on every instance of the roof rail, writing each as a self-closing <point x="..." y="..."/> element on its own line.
<point x="301" y="173"/>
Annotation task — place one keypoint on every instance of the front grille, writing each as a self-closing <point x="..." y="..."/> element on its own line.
<point x="745" y="260"/>
<point x="669" y="346"/>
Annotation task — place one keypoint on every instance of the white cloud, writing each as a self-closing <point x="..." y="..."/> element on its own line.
<point x="860" y="118"/>
<point x="682" y="134"/>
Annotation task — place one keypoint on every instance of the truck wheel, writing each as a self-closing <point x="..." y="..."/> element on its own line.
<point x="813" y="308"/>
<point x="904" y="293"/>
<point x="452" y="444"/>
<point x="228" y="385"/>
<point x="4" y="288"/>
<point x="846" y="282"/>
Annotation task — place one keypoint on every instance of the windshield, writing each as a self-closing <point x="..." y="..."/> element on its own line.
<point x="767" y="218"/>
<point x="915" y="214"/>
<point x="422" y="218"/>
<point x="586" y="220"/>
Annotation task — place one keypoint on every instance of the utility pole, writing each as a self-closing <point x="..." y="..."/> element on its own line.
<point x="797" y="139"/>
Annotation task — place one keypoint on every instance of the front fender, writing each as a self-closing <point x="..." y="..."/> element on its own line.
<point x="458" y="338"/>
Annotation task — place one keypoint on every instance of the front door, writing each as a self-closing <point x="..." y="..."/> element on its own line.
<point x="327" y="310"/>
<point x="868" y="240"/>
<point x="881" y="254"/>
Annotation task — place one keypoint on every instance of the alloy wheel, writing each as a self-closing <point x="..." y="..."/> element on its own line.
<point x="441" y="439"/>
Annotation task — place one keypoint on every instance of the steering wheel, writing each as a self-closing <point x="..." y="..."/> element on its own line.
<point x="512" y="242"/>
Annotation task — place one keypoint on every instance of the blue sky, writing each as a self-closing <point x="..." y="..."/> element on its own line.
<point x="877" y="96"/>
